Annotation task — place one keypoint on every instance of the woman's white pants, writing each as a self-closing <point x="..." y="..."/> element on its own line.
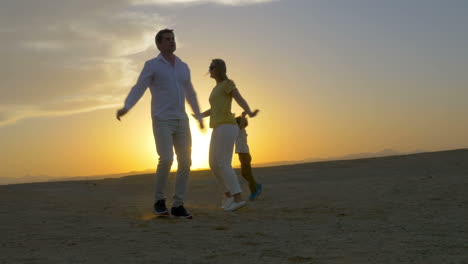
<point x="221" y="148"/>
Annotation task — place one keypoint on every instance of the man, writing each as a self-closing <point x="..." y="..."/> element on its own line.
<point x="169" y="81"/>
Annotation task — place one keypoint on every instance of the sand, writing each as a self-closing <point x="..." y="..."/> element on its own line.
<point x="401" y="209"/>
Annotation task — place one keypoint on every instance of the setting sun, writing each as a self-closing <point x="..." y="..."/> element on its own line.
<point x="200" y="146"/>
<point x="337" y="85"/>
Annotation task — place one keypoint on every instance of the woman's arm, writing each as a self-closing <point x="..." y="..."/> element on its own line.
<point x="242" y="103"/>
<point x="207" y="113"/>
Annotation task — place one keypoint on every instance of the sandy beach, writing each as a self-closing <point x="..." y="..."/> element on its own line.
<point x="400" y="209"/>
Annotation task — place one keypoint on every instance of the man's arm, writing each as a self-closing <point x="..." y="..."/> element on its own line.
<point x="191" y="97"/>
<point x="137" y="90"/>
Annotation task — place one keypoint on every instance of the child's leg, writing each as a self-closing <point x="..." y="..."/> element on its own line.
<point x="246" y="170"/>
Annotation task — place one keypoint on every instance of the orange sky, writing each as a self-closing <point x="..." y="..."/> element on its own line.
<point x="330" y="79"/>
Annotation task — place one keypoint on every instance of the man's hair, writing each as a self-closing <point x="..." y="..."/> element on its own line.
<point x="159" y="36"/>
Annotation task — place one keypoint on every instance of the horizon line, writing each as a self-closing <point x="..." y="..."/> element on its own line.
<point x="45" y="178"/>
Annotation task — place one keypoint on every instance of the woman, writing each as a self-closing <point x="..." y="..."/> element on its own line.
<point x="225" y="131"/>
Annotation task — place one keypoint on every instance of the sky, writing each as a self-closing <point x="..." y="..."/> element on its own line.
<point x="330" y="77"/>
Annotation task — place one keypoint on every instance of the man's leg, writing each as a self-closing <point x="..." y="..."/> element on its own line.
<point x="246" y="170"/>
<point x="163" y="137"/>
<point x="183" y="149"/>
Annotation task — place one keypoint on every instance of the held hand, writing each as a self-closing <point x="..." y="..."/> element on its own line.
<point x="202" y="126"/>
<point x="254" y="113"/>
<point x="120" y="113"/>
<point x="200" y="122"/>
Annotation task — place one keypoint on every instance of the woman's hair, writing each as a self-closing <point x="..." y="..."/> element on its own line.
<point x="221" y="67"/>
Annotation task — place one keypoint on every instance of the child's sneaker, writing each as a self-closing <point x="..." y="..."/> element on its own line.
<point x="257" y="193"/>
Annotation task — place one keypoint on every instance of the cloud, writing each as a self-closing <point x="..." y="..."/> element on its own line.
<point x="12" y="114"/>
<point x="221" y="2"/>
<point x="43" y="45"/>
<point x="71" y="58"/>
<point x="58" y="60"/>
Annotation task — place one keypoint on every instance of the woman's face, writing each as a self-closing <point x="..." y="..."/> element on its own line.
<point x="213" y="71"/>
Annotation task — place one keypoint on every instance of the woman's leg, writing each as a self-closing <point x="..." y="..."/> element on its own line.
<point x="215" y="138"/>
<point x="221" y="149"/>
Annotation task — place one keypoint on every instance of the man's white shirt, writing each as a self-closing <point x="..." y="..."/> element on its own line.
<point x="169" y="85"/>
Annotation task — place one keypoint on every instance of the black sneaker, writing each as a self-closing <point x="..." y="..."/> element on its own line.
<point x="160" y="208"/>
<point x="180" y="212"/>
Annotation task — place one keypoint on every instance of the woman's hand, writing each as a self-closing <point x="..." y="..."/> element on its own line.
<point x="242" y="103"/>
<point x="254" y="113"/>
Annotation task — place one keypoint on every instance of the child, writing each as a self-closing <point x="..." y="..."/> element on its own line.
<point x="242" y="149"/>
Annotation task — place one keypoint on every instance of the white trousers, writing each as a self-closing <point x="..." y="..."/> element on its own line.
<point x="221" y="148"/>
<point x="172" y="135"/>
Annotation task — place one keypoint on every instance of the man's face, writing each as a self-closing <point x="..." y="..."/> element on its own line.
<point x="167" y="43"/>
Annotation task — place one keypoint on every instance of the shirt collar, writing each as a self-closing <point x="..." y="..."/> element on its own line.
<point x="161" y="58"/>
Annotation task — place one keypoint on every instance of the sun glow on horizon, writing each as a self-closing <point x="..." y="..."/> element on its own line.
<point x="200" y="146"/>
<point x="349" y="83"/>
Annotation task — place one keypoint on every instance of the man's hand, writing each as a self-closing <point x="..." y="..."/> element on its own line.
<point x="202" y="126"/>
<point x="200" y="121"/>
<point x="120" y="113"/>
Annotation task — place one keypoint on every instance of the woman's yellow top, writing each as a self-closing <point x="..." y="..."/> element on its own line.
<point x="221" y="101"/>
